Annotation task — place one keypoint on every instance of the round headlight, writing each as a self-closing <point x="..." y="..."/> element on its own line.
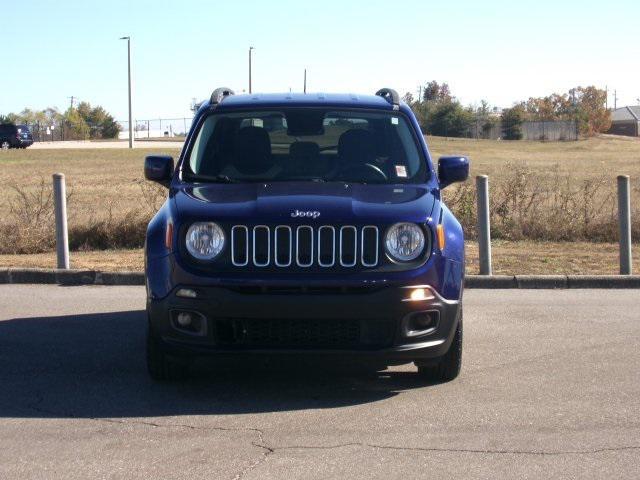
<point x="404" y="242"/>
<point x="205" y="240"/>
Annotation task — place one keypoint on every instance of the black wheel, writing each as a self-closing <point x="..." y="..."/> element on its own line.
<point x="162" y="366"/>
<point x="447" y="367"/>
<point x="5" y="145"/>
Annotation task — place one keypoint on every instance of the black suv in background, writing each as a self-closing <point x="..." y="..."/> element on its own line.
<point x="15" y="136"/>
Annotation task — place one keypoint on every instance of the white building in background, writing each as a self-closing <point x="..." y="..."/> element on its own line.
<point x="158" y="128"/>
<point x="626" y="121"/>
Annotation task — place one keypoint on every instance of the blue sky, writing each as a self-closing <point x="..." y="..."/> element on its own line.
<point x="501" y="51"/>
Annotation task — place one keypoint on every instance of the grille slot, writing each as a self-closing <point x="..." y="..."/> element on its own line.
<point x="261" y="245"/>
<point x="326" y="246"/>
<point x="240" y="246"/>
<point x="283" y="245"/>
<point x="305" y="246"/>
<point x="348" y="246"/>
<point x="369" y="246"/>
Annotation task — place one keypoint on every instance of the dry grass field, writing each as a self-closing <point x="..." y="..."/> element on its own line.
<point x="509" y="258"/>
<point x="99" y="179"/>
<point x="108" y="193"/>
<point x="605" y="156"/>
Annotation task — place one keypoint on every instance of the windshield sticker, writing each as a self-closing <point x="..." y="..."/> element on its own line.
<point x="394" y="120"/>
<point x="401" y="171"/>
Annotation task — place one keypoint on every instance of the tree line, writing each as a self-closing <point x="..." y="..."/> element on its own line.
<point x="440" y="113"/>
<point x="78" y="123"/>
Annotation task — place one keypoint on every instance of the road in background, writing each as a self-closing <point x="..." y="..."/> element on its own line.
<point x="550" y="388"/>
<point x="78" y="144"/>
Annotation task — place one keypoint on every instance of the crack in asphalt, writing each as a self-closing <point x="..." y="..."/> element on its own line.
<point x="458" y="450"/>
<point x="269" y="450"/>
<point x="35" y="406"/>
<point x="259" y="461"/>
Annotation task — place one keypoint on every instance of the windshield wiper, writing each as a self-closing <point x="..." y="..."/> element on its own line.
<point x="225" y="179"/>
<point x="215" y="178"/>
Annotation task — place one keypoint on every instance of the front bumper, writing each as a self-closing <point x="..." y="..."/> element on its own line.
<point x="338" y="322"/>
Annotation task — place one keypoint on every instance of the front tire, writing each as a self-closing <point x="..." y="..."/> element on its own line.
<point x="161" y="366"/>
<point x="447" y="367"/>
<point x="5" y="145"/>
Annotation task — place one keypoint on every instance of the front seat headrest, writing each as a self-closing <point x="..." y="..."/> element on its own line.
<point x="252" y="151"/>
<point x="357" y="146"/>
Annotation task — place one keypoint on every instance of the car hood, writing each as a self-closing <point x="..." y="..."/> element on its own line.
<point x="329" y="202"/>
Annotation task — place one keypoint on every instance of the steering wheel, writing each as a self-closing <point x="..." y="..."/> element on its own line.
<point x="364" y="172"/>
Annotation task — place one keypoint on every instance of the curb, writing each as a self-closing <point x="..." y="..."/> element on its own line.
<point x="69" y="277"/>
<point x="552" y="281"/>
<point x="94" y="277"/>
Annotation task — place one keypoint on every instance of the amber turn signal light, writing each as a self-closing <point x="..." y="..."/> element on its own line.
<point x="440" y="236"/>
<point x="168" y="239"/>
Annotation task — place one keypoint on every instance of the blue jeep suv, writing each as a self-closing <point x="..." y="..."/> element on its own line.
<point x="305" y="224"/>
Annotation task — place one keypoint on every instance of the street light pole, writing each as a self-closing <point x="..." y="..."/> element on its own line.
<point x="128" y="39"/>
<point x="250" y="49"/>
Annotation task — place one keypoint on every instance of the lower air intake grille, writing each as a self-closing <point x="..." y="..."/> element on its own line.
<point x="304" y="333"/>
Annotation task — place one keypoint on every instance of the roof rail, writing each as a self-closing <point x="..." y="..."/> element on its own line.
<point x="391" y="96"/>
<point x="219" y="94"/>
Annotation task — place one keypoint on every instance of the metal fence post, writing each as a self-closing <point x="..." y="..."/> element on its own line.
<point x="60" y="204"/>
<point x="624" y="223"/>
<point x="484" y="227"/>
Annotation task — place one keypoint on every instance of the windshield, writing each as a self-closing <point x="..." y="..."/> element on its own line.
<point x="306" y="144"/>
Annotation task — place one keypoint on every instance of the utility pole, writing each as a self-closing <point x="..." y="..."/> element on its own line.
<point x="615" y="99"/>
<point x="250" y="50"/>
<point x="128" y="39"/>
<point x="72" y="99"/>
<point x="305" y="80"/>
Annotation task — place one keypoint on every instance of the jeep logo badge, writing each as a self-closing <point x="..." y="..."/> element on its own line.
<point x="310" y="214"/>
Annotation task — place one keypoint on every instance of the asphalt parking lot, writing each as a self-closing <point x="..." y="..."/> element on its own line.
<point x="550" y="388"/>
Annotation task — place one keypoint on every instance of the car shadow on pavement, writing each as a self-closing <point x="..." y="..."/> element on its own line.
<point x="93" y="366"/>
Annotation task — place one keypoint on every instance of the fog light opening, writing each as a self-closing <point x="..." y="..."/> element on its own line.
<point x="184" y="319"/>
<point x="193" y="323"/>
<point x="421" y="323"/>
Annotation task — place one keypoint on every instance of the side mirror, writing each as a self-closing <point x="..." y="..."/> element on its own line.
<point x="452" y="169"/>
<point x="158" y="168"/>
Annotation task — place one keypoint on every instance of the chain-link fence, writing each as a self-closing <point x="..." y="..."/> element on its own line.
<point x="64" y="130"/>
<point x="490" y="128"/>
<point x="152" y="128"/>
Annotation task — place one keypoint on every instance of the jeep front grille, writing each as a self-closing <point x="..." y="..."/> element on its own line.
<point x="305" y="246"/>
